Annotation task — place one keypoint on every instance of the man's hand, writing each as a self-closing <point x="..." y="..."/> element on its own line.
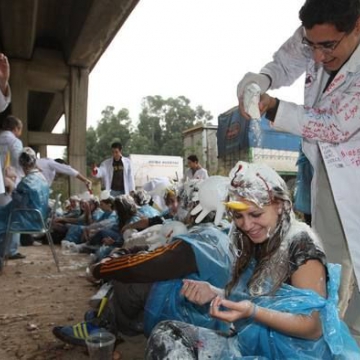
<point x="94" y="170"/>
<point x="4" y="74"/>
<point x="261" y="80"/>
<point x="266" y="103"/>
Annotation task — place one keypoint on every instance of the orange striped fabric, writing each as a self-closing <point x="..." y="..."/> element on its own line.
<point x="130" y="260"/>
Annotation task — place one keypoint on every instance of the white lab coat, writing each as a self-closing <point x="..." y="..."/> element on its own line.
<point x="105" y="172"/>
<point x="9" y="143"/>
<point x="200" y="174"/>
<point x="50" y="167"/>
<point x="329" y="124"/>
<point x="4" y="101"/>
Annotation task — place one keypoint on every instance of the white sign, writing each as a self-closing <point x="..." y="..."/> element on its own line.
<point x="149" y="167"/>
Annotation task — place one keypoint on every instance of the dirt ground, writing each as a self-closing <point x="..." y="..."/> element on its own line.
<point x="34" y="298"/>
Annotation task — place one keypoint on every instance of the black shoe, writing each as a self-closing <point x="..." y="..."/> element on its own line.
<point x="17" y="256"/>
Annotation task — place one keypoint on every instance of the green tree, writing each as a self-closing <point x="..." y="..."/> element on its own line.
<point x="162" y="122"/>
<point x="112" y="127"/>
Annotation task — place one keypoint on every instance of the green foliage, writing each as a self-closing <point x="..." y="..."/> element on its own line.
<point x="112" y="127"/>
<point x="158" y="132"/>
<point x="162" y="122"/>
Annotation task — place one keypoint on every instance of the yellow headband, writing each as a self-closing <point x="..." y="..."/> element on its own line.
<point x="236" y="205"/>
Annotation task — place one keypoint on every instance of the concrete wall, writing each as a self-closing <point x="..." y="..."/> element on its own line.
<point x="202" y="142"/>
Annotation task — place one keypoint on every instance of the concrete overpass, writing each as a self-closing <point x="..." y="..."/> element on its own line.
<point x="52" y="46"/>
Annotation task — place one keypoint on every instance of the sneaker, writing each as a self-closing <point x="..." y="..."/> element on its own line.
<point x="90" y="315"/>
<point x="76" y="334"/>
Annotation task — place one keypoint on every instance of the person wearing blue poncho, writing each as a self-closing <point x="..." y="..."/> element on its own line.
<point x="31" y="193"/>
<point x="143" y="201"/>
<point x="282" y="298"/>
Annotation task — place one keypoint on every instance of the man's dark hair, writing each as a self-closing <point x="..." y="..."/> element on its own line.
<point x="116" y="145"/>
<point x="193" y="158"/>
<point x="11" y="122"/>
<point x="343" y="14"/>
<point x="60" y="161"/>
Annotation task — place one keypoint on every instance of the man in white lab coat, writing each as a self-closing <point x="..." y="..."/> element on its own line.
<point x="116" y="172"/>
<point x="326" y="47"/>
<point x="50" y="167"/>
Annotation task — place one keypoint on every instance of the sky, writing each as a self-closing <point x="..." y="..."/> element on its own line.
<point x="199" y="49"/>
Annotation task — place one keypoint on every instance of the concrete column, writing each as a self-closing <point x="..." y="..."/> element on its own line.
<point x="42" y="150"/>
<point x="76" y="103"/>
<point x="19" y="95"/>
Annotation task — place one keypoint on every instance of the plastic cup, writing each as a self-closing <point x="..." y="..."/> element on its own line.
<point x="100" y="345"/>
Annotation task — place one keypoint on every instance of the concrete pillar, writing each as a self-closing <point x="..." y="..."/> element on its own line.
<point x="19" y="95"/>
<point x="76" y="103"/>
<point x="42" y="150"/>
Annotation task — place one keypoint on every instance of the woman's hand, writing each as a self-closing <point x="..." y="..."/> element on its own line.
<point x="236" y="310"/>
<point x="198" y="292"/>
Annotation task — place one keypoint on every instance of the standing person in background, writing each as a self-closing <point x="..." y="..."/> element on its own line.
<point x="302" y="197"/>
<point x="195" y="170"/>
<point x="50" y="167"/>
<point x="326" y="47"/>
<point x="116" y="172"/>
<point x="10" y="149"/>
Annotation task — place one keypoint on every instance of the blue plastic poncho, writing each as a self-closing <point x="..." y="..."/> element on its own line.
<point x="255" y="339"/>
<point x="148" y="211"/>
<point x="214" y="261"/>
<point x="31" y="193"/>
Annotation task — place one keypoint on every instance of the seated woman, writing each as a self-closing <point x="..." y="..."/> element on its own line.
<point x="91" y="213"/>
<point x="172" y="201"/>
<point x="112" y="238"/>
<point x="89" y="239"/>
<point x="143" y="200"/>
<point x="282" y="298"/>
<point x="31" y="193"/>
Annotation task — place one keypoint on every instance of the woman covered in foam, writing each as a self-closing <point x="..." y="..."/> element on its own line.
<point x="282" y="298"/>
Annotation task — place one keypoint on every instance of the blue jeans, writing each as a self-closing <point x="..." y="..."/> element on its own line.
<point x="13" y="246"/>
<point x="115" y="193"/>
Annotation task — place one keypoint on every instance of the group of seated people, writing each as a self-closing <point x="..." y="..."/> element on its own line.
<point x="254" y="285"/>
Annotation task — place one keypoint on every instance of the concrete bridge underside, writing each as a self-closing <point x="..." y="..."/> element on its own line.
<point x="52" y="46"/>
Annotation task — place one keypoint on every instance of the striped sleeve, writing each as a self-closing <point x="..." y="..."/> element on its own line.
<point x="171" y="261"/>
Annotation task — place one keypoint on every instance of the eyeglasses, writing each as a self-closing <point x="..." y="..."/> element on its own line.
<point x="327" y="47"/>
